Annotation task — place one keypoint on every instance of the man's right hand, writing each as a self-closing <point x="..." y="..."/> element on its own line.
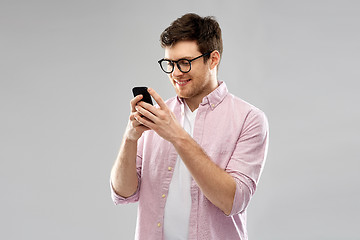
<point x="134" y="129"/>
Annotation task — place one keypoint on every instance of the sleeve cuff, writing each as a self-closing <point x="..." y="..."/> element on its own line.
<point x="117" y="199"/>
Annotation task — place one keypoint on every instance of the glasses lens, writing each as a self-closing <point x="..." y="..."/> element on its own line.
<point x="184" y="65"/>
<point x="167" y="66"/>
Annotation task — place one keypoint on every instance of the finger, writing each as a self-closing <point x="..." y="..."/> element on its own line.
<point x="150" y="108"/>
<point x="138" y="127"/>
<point x="145" y="112"/>
<point x="140" y="119"/>
<point x="136" y="124"/>
<point x="144" y="121"/>
<point x="157" y="98"/>
<point x="134" y="101"/>
<point x="133" y="122"/>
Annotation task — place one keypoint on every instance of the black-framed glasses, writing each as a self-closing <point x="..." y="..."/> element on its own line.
<point x="184" y="65"/>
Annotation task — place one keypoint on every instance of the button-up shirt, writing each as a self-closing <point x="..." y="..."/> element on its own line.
<point x="234" y="134"/>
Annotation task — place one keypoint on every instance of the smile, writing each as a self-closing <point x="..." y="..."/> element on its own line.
<point x="182" y="83"/>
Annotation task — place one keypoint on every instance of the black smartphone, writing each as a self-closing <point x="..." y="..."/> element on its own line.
<point x="143" y="91"/>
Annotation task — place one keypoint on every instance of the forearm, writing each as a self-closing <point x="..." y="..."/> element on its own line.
<point x="123" y="174"/>
<point x="216" y="184"/>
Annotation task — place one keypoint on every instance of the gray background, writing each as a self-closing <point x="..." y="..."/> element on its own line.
<point x="67" y="69"/>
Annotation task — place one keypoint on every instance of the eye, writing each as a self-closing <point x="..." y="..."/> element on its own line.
<point x="184" y="62"/>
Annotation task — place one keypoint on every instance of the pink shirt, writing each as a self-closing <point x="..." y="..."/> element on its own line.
<point x="234" y="134"/>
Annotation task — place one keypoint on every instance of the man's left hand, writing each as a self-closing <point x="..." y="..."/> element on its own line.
<point x="162" y="120"/>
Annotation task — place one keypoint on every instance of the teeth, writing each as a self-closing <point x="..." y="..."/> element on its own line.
<point x="181" y="82"/>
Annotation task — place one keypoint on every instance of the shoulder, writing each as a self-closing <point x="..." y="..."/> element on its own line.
<point x="246" y="109"/>
<point x="241" y="104"/>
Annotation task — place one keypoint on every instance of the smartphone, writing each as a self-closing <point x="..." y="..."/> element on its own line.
<point x="143" y="91"/>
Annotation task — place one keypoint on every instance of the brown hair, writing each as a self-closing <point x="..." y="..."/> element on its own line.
<point x="206" y="31"/>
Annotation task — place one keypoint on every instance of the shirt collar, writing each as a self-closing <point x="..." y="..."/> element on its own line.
<point x="214" y="98"/>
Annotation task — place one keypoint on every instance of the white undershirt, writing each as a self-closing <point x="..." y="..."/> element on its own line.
<point x="178" y="202"/>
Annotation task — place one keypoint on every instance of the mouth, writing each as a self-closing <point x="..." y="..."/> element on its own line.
<point x="182" y="82"/>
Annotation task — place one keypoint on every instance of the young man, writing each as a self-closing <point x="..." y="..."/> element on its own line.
<point x="194" y="161"/>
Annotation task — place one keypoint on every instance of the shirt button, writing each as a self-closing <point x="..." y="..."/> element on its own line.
<point x="169" y="168"/>
<point x="212" y="105"/>
<point x="159" y="224"/>
<point x="163" y="196"/>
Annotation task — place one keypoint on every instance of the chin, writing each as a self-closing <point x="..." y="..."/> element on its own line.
<point x="179" y="93"/>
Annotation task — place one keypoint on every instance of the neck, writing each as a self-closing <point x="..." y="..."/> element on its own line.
<point x="194" y="102"/>
<point x="191" y="104"/>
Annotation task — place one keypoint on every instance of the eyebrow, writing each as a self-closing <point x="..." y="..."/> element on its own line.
<point x="186" y="57"/>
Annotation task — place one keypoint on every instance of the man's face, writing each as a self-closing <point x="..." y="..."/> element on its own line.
<point x="195" y="84"/>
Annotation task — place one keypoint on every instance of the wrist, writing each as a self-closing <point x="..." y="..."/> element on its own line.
<point x="181" y="139"/>
<point x="131" y="138"/>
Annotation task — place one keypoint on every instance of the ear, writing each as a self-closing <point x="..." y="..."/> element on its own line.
<point x="214" y="59"/>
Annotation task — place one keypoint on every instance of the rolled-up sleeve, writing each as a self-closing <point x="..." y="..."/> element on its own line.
<point x="117" y="199"/>
<point x="248" y="158"/>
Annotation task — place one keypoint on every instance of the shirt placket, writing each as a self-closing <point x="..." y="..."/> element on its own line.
<point x="168" y="172"/>
<point x="197" y="136"/>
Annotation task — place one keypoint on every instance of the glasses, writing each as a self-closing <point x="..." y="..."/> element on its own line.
<point x="184" y="65"/>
